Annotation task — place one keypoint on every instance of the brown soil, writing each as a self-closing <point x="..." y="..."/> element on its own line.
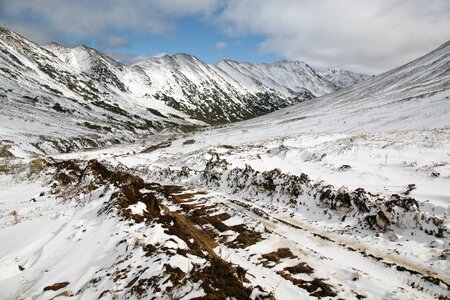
<point x="221" y="281"/>
<point x="245" y="239"/>
<point x="300" y="268"/>
<point x="276" y="256"/>
<point x="56" y="286"/>
<point x="316" y="287"/>
<point x="175" y="274"/>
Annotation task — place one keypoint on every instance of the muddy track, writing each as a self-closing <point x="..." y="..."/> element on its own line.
<point x="198" y="215"/>
<point x="207" y="244"/>
<point x="398" y="263"/>
<point x="389" y="260"/>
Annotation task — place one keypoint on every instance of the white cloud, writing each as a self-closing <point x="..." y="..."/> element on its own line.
<point x="126" y="57"/>
<point x="220" y="45"/>
<point x="87" y="19"/>
<point x="369" y="36"/>
<point x="37" y="33"/>
<point x="114" y="41"/>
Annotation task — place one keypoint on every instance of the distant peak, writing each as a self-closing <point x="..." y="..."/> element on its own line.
<point x="84" y="47"/>
<point x="175" y="58"/>
<point x="186" y="56"/>
<point x="55" y="45"/>
<point x="289" y="62"/>
<point x="230" y="61"/>
<point x="283" y="62"/>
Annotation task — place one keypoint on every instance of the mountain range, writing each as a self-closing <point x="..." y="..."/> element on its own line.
<point x="78" y="97"/>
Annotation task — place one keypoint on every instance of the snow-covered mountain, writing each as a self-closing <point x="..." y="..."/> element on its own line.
<point x="343" y="78"/>
<point x="72" y="100"/>
<point x="78" y="97"/>
<point x="342" y="197"/>
<point x="411" y="97"/>
<point x="230" y="91"/>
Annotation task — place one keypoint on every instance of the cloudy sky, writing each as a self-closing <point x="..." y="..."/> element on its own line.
<point x="370" y="36"/>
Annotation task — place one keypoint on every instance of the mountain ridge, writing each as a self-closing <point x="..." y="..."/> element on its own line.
<point x="125" y="102"/>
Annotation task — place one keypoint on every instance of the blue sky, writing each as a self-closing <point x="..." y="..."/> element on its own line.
<point x="369" y="36"/>
<point x="193" y="36"/>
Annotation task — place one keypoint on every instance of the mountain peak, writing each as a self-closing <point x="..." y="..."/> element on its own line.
<point x="289" y="62"/>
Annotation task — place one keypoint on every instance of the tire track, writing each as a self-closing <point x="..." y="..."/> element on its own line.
<point x="417" y="273"/>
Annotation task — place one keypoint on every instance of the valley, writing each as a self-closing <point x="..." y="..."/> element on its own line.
<point x="326" y="192"/>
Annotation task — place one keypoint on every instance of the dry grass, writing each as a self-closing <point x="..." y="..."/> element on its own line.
<point x="13" y="167"/>
<point x="16" y="217"/>
<point x="22" y="169"/>
<point x="37" y="165"/>
<point x="4" y="167"/>
<point x="5" y="159"/>
<point x="5" y="153"/>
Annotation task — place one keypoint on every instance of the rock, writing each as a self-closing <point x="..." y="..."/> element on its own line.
<point x="445" y="254"/>
<point x="409" y="188"/>
<point x="344" y="168"/>
<point x="188" y="142"/>
<point x="382" y="221"/>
